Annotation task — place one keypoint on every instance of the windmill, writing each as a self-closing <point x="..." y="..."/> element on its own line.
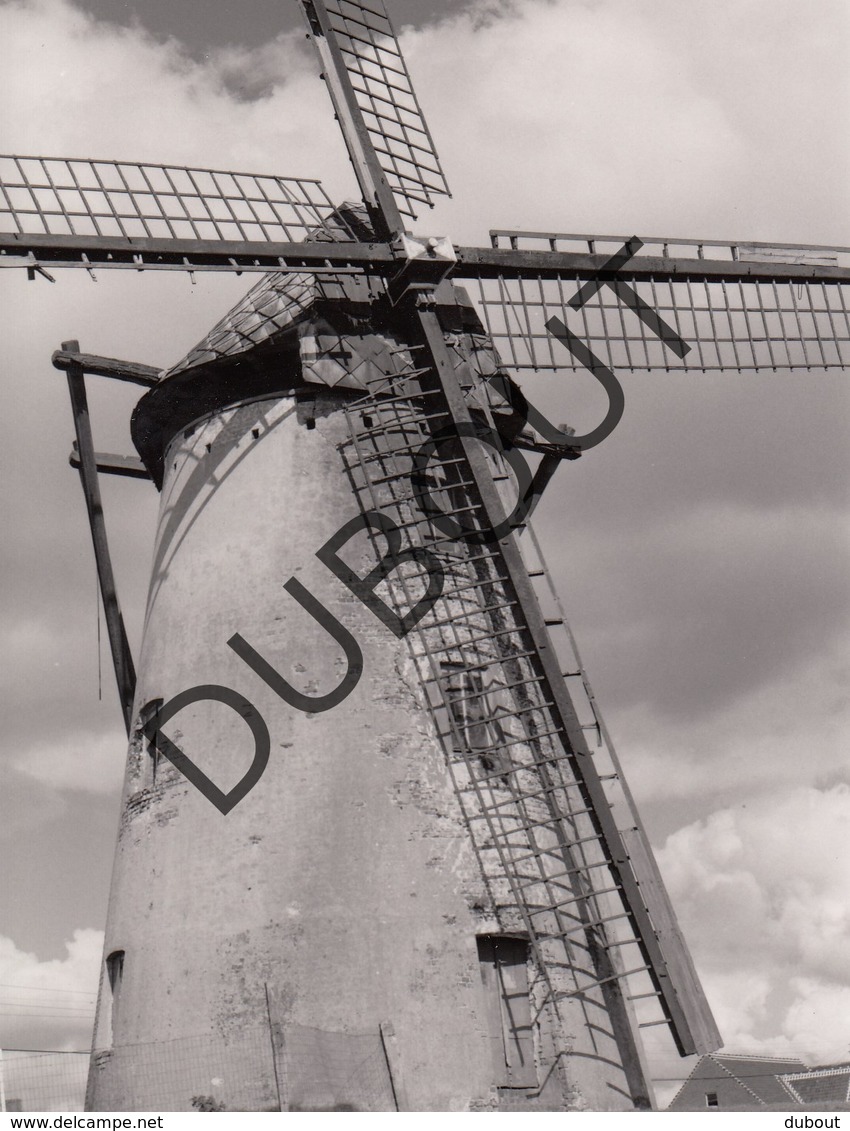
<point x="397" y="368"/>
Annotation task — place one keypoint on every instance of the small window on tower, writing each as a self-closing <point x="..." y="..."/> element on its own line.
<point x="115" y="973"/>
<point x="466" y="703"/>
<point x="145" y="715"/>
<point x="475" y="729"/>
<point x="504" y="971"/>
<point x="711" y="1099"/>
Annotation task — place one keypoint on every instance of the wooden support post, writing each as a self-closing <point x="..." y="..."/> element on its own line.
<point x="109" y="464"/>
<point x="273" y="1047"/>
<point x="122" y="660"/>
<point x="109" y="367"/>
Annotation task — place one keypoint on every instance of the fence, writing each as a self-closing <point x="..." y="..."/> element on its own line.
<point x="42" y="1081"/>
<point x="260" y="1068"/>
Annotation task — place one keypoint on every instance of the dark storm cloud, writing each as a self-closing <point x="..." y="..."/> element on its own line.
<point x="701" y="550"/>
<point x="239" y="23"/>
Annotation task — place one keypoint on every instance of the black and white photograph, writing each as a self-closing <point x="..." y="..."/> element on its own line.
<point x="425" y="569"/>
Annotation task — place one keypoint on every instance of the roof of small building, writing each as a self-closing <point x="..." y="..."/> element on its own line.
<point x="736" y="1080"/>
<point x="818" y="1086"/>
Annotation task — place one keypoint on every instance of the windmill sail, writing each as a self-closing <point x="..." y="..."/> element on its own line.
<point x="87" y="212"/>
<point x="378" y="77"/>
<point x="737" y="306"/>
<point x="557" y="838"/>
<point x="61" y="196"/>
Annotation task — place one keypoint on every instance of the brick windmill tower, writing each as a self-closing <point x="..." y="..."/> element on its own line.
<point x="367" y="859"/>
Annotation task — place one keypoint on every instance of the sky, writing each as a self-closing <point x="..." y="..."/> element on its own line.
<point x="701" y="550"/>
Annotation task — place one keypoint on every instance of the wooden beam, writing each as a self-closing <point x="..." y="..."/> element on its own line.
<point x="122" y="660"/>
<point x="108" y="464"/>
<point x="380" y="258"/>
<point x="390" y="1050"/>
<point x="151" y="253"/>
<point x="108" y="367"/>
<point x="739" y="249"/>
<point x="491" y="262"/>
<point x="707" y="1037"/>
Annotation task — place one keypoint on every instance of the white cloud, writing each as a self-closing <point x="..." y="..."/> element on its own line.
<point x="50" y="1004"/>
<point x="762" y="895"/>
<point x="612" y="115"/>
<point x="104" y="91"/>
<point x="87" y="762"/>
<point x="817" y="1019"/>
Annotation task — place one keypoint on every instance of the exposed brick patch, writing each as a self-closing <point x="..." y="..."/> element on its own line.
<point x="101" y="1060"/>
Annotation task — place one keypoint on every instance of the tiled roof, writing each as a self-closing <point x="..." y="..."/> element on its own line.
<point x="280" y="299"/>
<point x="828" y="1085"/>
<point x="759" y="1075"/>
<point x="735" y="1081"/>
<point x="271" y="305"/>
<point x="740" y="1065"/>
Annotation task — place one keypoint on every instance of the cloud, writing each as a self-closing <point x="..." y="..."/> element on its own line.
<point x="146" y="100"/>
<point x="632" y="114"/>
<point x="92" y="763"/>
<point x="717" y="642"/>
<point x="723" y="553"/>
<point x="761" y="893"/>
<point x="50" y="1004"/>
<point x="817" y="1019"/>
<point x="608" y="115"/>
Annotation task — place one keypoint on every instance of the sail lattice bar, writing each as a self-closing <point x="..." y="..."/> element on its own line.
<point x="379" y="77"/>
<point x="55" y="196"/>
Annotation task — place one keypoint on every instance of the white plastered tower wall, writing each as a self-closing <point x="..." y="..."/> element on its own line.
<point x="315" y="947"/>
